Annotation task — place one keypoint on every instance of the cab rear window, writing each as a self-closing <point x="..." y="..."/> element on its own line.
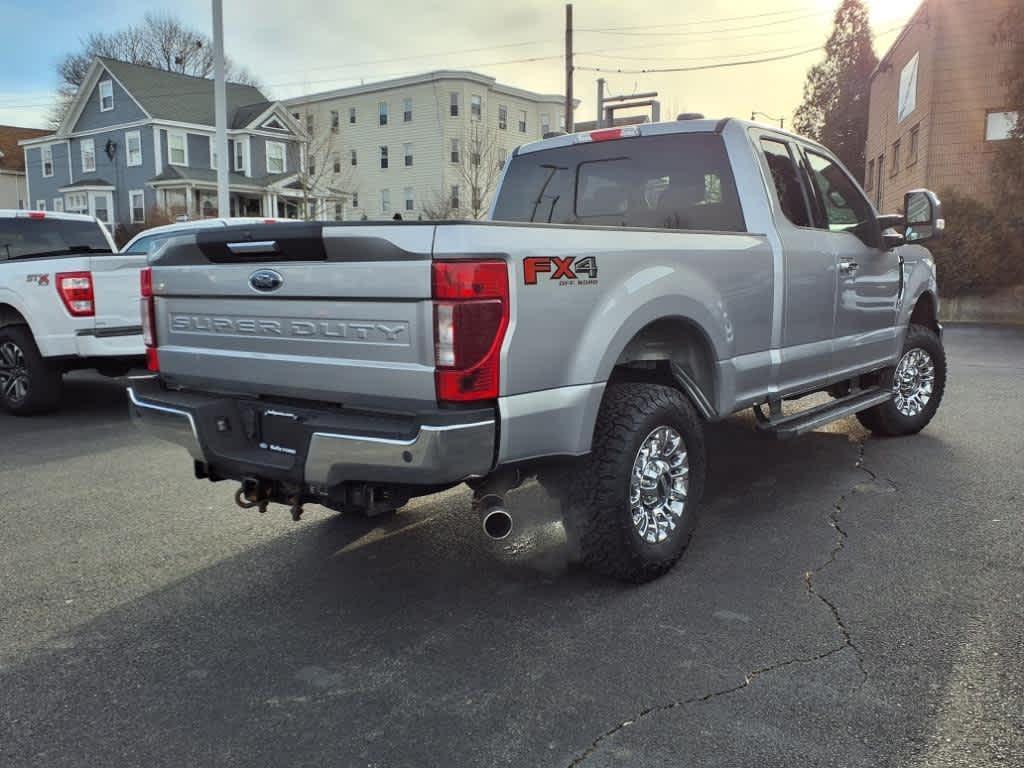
<point x="22" y="237"/>
<point x="678" y="181"/>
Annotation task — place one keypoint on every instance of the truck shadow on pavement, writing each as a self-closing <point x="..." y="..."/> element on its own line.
<point x="417" y="642"/>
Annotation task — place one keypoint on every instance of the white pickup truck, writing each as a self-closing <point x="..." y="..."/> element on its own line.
<point x="67" y="301"/>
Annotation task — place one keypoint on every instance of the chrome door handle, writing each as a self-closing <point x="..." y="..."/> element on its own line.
<point x="848" y="266"/>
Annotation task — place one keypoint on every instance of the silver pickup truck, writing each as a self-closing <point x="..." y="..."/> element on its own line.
<point x="631" y="285"/>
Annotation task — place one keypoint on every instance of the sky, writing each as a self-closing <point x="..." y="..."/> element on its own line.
<point x="301" y="46"/>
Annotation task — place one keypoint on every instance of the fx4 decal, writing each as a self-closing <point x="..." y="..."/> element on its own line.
<point x="38" y="279"/>
<point x="568" y="270"/>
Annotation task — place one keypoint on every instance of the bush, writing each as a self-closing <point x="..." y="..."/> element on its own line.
<point x="982" y="250"/>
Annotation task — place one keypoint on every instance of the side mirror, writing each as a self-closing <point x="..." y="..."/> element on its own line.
<point x="923" y="216"/>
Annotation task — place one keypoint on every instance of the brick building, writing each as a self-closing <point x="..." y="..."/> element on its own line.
<point x="939" y="102"/>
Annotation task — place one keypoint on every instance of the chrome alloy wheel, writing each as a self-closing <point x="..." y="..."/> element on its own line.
<point x="658" y="485"/>
<point x="13" y="372"/>
<point x="913" y="382"/>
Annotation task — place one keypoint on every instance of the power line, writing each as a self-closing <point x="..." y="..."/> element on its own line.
<point x="723" y="65"/>
<point x="742" y="28"/>
<point x="695" y="23"/>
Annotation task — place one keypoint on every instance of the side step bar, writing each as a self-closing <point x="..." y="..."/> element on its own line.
<point x="805" y="421"/>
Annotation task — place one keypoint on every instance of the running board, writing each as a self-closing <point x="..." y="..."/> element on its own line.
<point x="805" y="421"/>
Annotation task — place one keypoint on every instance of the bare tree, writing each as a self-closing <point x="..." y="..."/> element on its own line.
<point x="479" y="168"/>
<point x="326" y="175"/>
<point x="439" y="206"/>
<point x="160" y="41"/>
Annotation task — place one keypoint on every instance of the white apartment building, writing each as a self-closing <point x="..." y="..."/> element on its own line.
<point x="419" y="145"/>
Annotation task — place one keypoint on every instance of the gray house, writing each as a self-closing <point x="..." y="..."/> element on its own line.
<point x="138" y="142"/>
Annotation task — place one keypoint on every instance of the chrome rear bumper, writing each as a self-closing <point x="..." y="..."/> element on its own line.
<point x="329" y="453"/>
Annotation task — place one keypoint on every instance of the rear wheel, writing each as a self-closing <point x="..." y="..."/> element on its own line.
<point x="630" y="506"/>
<point x="29" y="384"/>
<point x="918" y="382"/>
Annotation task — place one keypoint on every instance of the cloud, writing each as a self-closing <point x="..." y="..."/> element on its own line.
<point x="29" y="109"/>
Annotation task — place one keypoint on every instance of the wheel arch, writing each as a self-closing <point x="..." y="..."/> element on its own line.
<point x="926" y="311"/>
<point x="11" y="315"/>
<point x="674" y="351"/>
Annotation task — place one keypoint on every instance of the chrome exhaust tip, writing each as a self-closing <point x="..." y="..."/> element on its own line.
<point x="497" y="523"/>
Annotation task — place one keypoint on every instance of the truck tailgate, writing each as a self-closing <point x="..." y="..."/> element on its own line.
<point x="345" y="317"/>
<point x="116" y="287"/>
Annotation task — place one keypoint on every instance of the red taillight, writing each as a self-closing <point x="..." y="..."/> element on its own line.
<point x="37" y="214"/>
<point x="606" y="135"/>
<point x="471" y="313"/>
<point x="147" y="309"/>
<point x="75" y="290"/>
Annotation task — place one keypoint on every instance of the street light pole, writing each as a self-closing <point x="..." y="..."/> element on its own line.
<point x="782" y="120"/>
<point x="220" y="110"/>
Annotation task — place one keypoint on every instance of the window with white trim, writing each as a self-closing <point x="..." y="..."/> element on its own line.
<point x="906" y="98"/>
<point x="455" y="197"/>
<point x="456" y="155"/>
<point x="133" y="148"/>
<point x="335" y="121"/>
<point x="88" y="155"/>
<point x="276" y="162"/>
<point x="382" y="112"/>
<point x="410" y="199"/>
<point x="999" y="125"/>
<point x="406" y="110"/>
<point x="502" y="117"/>
<point x="58" y="204"/>
<point x="522" y="121"/>
<point x="137" y="203"/>
<point x="177" y="148"/>
<point x="310" y="123"/>
<point x="47" y="156"/>
<point x="337" y="162"/>
<point x="353" y="158"/>
<point x="385" y="201"/>
<point x="355" y="199"/>
<point x="407" y="151"/>
<point x="502" y="157"/>
<point x="240" y="155"/>
<point x="339" y="211"/>
<point x="352" y="115"/>
<point x="40" y="205"/>
<point x="453" y="104"/>
<point x="383" y="157"/>
<point x="545" y="123"/>
<point x="106" y="95"/>
<point x="76" y="202"/>
<point x="476" y="107"/>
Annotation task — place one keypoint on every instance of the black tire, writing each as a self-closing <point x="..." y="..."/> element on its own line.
<point x="595" y="497"/>
<point x="20" y="355"/>
<point x="886" y="419"/>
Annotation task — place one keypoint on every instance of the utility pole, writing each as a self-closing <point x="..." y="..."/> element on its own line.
<point x="600" y="102"/>
<point x="220" y="111"/>
<point x="568" y="68"/>
<point x="782" y="120"/>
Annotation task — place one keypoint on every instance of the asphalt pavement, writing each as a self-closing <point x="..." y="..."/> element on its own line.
<point x="845" y="601"/>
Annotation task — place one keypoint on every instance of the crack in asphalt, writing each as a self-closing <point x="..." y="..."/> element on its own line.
<point x="848" y="642"/>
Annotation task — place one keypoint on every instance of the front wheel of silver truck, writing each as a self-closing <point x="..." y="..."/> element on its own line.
<point x="630" y="506"/>
<point x="918" y="382"/>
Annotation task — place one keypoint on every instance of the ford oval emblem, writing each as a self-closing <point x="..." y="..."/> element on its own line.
<point x="265" y="280"/>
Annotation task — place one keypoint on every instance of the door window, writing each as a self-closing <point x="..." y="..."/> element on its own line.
<point x="786" y="179"/>
<point x="844" y="207"/>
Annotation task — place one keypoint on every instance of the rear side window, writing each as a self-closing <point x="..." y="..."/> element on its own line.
<point x="22" y="237"/>
<point x="786" y="179"/>
<point x="679" y="181"/>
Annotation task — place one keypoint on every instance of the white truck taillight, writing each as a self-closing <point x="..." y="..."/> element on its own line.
<point x="471" y="314"/>
<point x="75" y="290"/>
<point x="147" y="308"/>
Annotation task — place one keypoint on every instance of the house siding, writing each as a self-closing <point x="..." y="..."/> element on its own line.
<point x="125" y="109"/>
<point x="40" y="188"/>
<point x="116" y="171"/>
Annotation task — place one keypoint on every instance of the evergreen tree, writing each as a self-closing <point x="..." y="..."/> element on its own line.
<point x="835" y="106"/>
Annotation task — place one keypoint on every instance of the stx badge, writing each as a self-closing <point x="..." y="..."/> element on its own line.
<point x="568" y="270"/>
<point x="38" y="279"/>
